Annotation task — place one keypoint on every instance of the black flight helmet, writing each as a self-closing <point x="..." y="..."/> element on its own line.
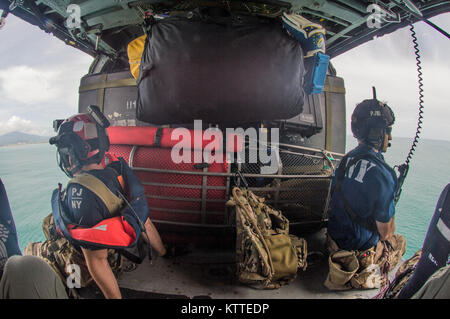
<point x="370" y="121"/>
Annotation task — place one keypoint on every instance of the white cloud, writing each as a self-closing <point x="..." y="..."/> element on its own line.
<point x="39" y="74"/>
<point x="28" y="85"/>
<point x="15" y="123"/>
<point x="389" y="64"/>
<point x="39" y="93"/>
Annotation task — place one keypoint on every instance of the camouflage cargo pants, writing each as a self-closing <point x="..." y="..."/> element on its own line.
<point x="363" y="269"/>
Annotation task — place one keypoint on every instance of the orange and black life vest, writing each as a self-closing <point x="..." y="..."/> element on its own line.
<point x="123" y="231"/>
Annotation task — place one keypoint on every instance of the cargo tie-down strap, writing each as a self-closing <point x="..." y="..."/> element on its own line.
<point x="105" y="84"/>
<point x="328" y="88"/>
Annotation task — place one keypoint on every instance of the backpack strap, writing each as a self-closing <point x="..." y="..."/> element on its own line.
<point x="95" y="185"/>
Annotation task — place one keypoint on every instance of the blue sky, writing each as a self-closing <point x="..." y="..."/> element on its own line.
<point x="39" y="78"/>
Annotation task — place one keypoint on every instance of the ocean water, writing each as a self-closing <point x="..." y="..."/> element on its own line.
<point x="30" y="174"/>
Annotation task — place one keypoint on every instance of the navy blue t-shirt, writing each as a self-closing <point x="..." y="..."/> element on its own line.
<point x="369" y="187"/>
<point x="84" y="207"/>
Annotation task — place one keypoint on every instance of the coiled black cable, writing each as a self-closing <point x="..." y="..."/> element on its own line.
<point x="403" y="169"/>
<point x="420" y="81"/>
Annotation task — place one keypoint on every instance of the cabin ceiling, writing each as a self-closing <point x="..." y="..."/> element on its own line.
<point x="107" y="26"/>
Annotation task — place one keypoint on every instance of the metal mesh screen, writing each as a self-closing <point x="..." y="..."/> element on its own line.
<point x="180" y="193"/>
<point x="300" y="187"/>
<point x="193" y="194"/>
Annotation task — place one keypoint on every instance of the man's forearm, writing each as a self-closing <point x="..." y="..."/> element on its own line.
<point x="386" y="230"/>
<point x="101" y="272"/>
<point x="155" y="239"/>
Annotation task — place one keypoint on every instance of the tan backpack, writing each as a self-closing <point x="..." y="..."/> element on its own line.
<point x="267" y="255"/>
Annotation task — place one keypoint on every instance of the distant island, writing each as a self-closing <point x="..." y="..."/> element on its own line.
<point x="14" y="138"/>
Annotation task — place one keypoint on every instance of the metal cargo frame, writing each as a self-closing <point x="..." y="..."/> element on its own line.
<point x="300" y="188"/>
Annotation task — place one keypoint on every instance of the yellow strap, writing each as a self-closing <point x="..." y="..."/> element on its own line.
<point x="333" y="89"/>
<point x="107" y="85"/>
<point x="328" y="115"/>
<point x="111" y="201"/>
<point x="328" y="89"/>
<point x="101" y="93"/>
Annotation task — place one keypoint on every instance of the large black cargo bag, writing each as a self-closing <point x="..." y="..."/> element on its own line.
<point x="219" y="73"/>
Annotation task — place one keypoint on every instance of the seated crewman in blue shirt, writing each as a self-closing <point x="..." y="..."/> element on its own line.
<point x="364" y="187"/>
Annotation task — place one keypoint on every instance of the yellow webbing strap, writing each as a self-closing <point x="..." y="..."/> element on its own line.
<point x="333" y="89"/>
<point x="111" y="201"/>
<point x="108" y="84"/>
<point x="103" y="85"/>
<point x="328" y="114"/>
<point x="328" y="89"/>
